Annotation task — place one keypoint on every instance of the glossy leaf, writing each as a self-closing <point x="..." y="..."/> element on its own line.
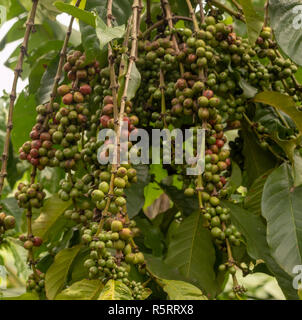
<point x="24" y="296"/>
<point x="24" y="119"/>
<point x="86" y="16"/>
<point x="115" y="290"/>
<point x="180" y="290"/>
<point x="56" y="275"/>
<point x="285" y="19"/>
<point x="282" y="102"/>
<point x="121" y="9"/>
<point x="135" y="194"/>
<point x="253" y="21"/>
<point x="253" y="229"/>
<point x="252" y="202"/>
<point x="281" y="207"/>
<point x="257" y="160"/>
<point x="191" y="251"/>
<point x="45" y="90"/>
<point x="52" y="210"/>
<point x="297" y="168"/>
<point x="106" y="34"/>
<point x="81" y="290"/>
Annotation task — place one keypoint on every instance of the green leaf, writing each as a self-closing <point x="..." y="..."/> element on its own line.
<point x="82" y="290"/>
<point x="153" y="237"/>
<point x="257" y="160"/>
<point x="24" y="296"/>
<point x="15" y="33"/>
<point x="24" y="119"/>
<point x="85" y="16"/>
<point x="52" y="210"/>
<point x="121" y="9"/>
<point x="106" y="34"/>
<point x="285" y="20"/>
<point x="297" y="168"/>
<point x="56" y="275"/>
<point x="45" y="90"/>
<point x="115" y="290"/>
<point x="281" y="207"/>
<point x="253" y="21"/>
<point x="179" y="8"/>
<point x="272" y="122"/>
<point x="134" y="83"/>
<point x="146" y="293"/>
<point x="236" y="177"/>
<point x="180" y="290"/>
<point x="184" y="204"/>
<point x="254" y="230"/>
<point x="40" y="58"/>
<point x="91" y="44"/>
<point x="78" y="271"/>
<point x="281" y="102"/>
<point x="159" y="268"/>
<point x="153" y="190"/>
<point x="252" y="202"/>
<point x="248" y="90"/>
<point x="50" y="178"/>
<point x="135" y="194"/>
<point x="191" y="251"/>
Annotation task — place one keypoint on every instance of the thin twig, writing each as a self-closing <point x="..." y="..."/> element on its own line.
<point x="161" y="22"/>
<point x="18" y="70"/>
<point x="132" y="59"/>
<point x="148" y="14"/>
<point x="193" y="16"/>
<point x="237" y="5"/>
<point x="168" y="12"/>
<point x="265" y="23"/>
<point x="201" y="12"/>
<point x="236" y="14"/>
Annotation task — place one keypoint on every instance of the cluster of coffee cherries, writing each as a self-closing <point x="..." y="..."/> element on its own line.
<point x="36" y="282"/>
<point x="125" y="175"/>
<point x="137" y="290"/>
<point x="30" y="195"/>
<point x="30" y="241"/>
<point x="115" y="237"/>
<point x="39" y="152"/>
<point x="7" y="222"/>
<point x="72" y="188"/>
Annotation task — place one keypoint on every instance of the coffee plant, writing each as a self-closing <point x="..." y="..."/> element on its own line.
<point x="80" y="228"/>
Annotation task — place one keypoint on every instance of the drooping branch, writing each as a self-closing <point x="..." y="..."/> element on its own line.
<point x="18" y="70"/>
<point x="51" y="102"/>
<point x="119" y="113"/>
